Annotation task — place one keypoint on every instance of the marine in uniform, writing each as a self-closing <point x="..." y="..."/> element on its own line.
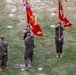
<point x="4" y="46"/>
<point x="59" y="39"/>
<point x="29" y="48"/>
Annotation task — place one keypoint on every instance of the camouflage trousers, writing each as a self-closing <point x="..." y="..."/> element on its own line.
<point x="59" y="46"/>
<point x="28" y="55"/>
<point x="3" y="61"/>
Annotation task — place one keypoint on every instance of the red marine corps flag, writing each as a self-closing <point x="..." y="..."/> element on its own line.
<point x="61" y="15"/>
<point x="31" y="20"/>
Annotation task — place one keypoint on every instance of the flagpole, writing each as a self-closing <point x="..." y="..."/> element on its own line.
<point x="26" y="2"/>
<point x="58" y="16"/>
<point x="59" y="31"/>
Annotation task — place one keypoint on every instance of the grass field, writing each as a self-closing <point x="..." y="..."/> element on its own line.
<point x="44" y="53"/>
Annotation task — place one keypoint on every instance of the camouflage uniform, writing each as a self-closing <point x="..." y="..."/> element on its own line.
<point x="25" y="33"/>
<point x="3" y="54"/>
<point x="28" y="50"/>
<point x="59" y="44"/>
